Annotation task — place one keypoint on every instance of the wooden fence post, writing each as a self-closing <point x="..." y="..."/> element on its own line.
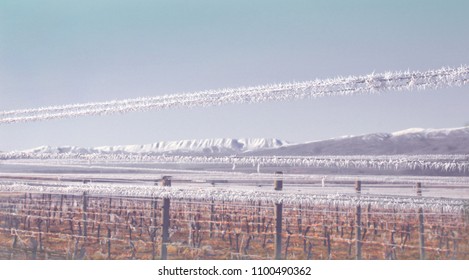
<point x="154" y="205"/>
<point x="278" y="183"/>
<point x="421" y="225"/>
<point x="259" y="217"/>
<point x="25" y="207"/>
<point x="358" y="232"/>
<point x="165" y="234"/>
<point x="278" y="230"/>
<point x="108" y="243"/>
<point x="61" y="207"/>
<point x="212" y="217"/>
<point x="49" y="213"/>
<point x="421" y="234"/>
<point x="358" y="187"/>
<point x="300" y="220"/>
<point x="85" y="206"/>
<point x="419" y="189"/>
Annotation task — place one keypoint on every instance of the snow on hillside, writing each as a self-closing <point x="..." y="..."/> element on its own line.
<point x="205" y="146"/>
<point x="59" y="150"/>
<point x="410" y="141"/>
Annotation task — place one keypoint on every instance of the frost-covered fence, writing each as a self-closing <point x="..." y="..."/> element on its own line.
<point x="434" y="164"/>
<point x="352" y="85"/>
<point x="49" y="223"/>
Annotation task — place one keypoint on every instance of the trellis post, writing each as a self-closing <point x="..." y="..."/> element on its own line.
<point x="61" y="207"/>
<point x="154" y="206"/>
<point x="108" y="243"/>
<point x="278" y="183"/>
<point x="212" y="217"/>
<point x="85" y="206"/>
<point x="419" y="189"/>
<point x="278" y="230"/>
<point x="358" y="232"/>
<point x="421" y="225"/>
<point x="165" y="234"/>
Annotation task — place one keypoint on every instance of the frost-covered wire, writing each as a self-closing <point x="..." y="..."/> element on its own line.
<point x="341" y="86"/>
<point x="458" y="164"/>
<point x="206" y="194"/>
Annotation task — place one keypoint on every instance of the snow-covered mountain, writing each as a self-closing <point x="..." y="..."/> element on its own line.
<point x="410" y="141"/>
<point x="205" y="146"/>
<point x="60" y="150"/>
<point x="221" y="146"/>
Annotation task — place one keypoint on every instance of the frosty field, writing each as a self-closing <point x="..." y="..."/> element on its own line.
<point x="70" y="209"/>
<point x="400" y="195"/>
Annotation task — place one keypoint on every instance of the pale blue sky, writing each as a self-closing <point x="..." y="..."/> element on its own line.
<point x="58" y="52"/>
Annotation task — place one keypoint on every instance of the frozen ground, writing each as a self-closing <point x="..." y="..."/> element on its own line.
<point x="300" y="183"/>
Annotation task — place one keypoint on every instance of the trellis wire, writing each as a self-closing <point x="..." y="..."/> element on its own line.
<point x="437" y="163"/>
<point x="449" y="205"/>
<point x="369" y="84"/>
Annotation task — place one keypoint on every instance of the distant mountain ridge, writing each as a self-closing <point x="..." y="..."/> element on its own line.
<point x="410" y="141"/>
<point x="220" y="146"/>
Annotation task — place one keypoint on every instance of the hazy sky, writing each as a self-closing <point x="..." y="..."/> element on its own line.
<point x="61" y="52"/>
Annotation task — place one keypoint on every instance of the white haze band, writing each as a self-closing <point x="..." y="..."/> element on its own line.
<point x="341" y="86"/>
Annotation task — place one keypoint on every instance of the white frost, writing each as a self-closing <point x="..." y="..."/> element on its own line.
<point x="352" y="85"/>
